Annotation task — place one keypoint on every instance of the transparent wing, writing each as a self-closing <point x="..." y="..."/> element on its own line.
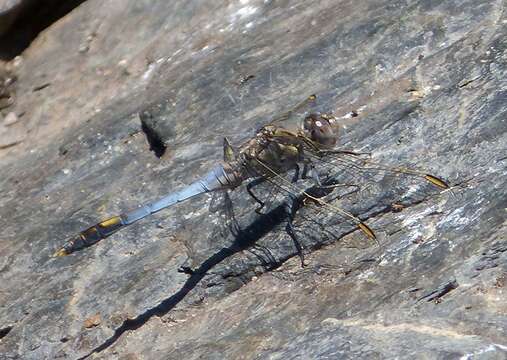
<point x="303" y="190"/>
<point x="359" y="168"/>
<point x="349" y="188"/>
<point x="345" y="190"/>
<point x="223" y="211"/>
<point x="291" y="120"/>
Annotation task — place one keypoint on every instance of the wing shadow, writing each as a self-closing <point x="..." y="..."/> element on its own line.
<point x="243" y="239"/>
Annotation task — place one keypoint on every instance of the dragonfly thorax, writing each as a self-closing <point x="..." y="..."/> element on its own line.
<point x="271" y="151"/>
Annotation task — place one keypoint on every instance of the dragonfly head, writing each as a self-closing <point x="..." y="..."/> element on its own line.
<point x="322" y="129"/>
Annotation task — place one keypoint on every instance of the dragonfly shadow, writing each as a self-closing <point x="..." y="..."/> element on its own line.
<point x="243" y="239"/>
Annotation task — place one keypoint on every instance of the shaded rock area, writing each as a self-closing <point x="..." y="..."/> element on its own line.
<point x="427" y="80"/>
<point x="22" y="20"/>
<point x="9" y="10"/>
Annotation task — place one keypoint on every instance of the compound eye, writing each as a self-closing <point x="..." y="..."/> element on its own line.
<point x="309" y="122"/>
<point x="323" y="133"/>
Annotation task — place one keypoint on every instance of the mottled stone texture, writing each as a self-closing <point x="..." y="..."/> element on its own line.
<point x="428" y="80"/>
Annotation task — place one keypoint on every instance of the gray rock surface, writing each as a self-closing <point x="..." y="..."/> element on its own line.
<point x="428" y="80"/>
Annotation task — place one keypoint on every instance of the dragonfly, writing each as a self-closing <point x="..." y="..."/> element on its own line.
<point x="290" y="142"/>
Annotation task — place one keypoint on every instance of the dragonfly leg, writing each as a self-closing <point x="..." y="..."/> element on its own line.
<point x="331" y="186"/>
<point x="249" y="187"/>
<point x="316" y="177"/>
<point x="292" y="207"/>
<point x="308" y="168"/>
<point x="260" y="180"/>
<point x="295" y="178"/>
